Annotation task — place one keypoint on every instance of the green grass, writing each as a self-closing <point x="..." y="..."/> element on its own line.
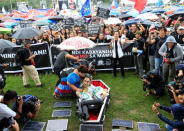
<point x="128" y="100"/>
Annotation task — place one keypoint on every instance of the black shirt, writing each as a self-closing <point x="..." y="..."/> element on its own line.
<point x="139" y="44"/>
<point x="179" y="38"/>
<point x="159" y="42"/>
<point x="130" y="35"/>
<point x="57" y="41"/>
<point x="116" y="48"/>
<point x="25" y="54"/>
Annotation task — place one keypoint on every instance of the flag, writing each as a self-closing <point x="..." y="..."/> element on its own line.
<point x="159" y="3"/>
<point x="86" y="10"/>
<point x="139" y="5"/>
<point x="114" y="5"/>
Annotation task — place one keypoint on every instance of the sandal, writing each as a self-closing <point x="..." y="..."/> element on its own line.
<point x="147" y="94"/>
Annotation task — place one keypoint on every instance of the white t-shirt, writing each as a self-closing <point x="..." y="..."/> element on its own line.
<point x="5" y="111"/>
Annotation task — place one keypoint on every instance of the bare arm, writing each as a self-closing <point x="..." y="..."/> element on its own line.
<point x="74" y="88"/>
<point x="71" y="57"/>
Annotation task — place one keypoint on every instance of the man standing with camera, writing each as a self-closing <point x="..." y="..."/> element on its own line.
<point x="6" y="114"/>
<point x="172" y="53"/>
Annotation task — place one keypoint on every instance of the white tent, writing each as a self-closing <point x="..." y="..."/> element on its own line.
<point x="128" y="2"/>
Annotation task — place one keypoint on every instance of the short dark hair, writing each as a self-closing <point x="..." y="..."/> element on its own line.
<point x="163" y="28"/>
<point x="9" y="95"/>
<point x="82" y="69"/>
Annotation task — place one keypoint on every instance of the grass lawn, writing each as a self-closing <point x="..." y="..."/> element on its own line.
<point x="128" y="100"/>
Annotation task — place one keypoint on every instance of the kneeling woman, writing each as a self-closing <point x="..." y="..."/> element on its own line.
<point x="70" y="84"/>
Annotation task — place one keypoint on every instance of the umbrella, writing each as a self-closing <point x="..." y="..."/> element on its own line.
<point x="56" y="18"/>
<point x="147" y="16"/>
<point x="5" y="30"/>
<point x="132" y="21"/>
<point x="158" y="11"/>
<point x="175" y="16"/>
<point x="26" y="33"/>
<point x="125" y="16"/>
<point x="149" y="23"/>
<point x="18" y="18"/>
<point x="76" y="43"/>
<point x="43" y="22"/>
<point x="111" y="21"/>
<point x="6" y="44"/>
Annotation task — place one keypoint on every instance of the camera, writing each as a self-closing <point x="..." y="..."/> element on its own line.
<point x="144" y="77"/>
<point x="19" y="98"/>
<point x="152" y="33"/>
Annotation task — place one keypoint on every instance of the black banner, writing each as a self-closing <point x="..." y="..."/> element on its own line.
<point x="42" y="59"/>
<point x="103" y="13"/>
<point x="101" y="55"/>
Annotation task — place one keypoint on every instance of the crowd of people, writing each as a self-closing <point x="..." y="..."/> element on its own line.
<point x="158" y="47"/>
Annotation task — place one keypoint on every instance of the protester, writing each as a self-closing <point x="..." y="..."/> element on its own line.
<point x="70" y="84"/>
<point x="62" y="61"/>
<point x="172" y="53"/>
<point x="30" y="108"/>
<point x="6" y="114"/>
<point x="90" y="98"/>
<point x="2" y="75"/>
<point x="117" y="53"/>
<point x="153" y="81"/>
<point x="179" y="36"/>
<point x="138" y="49"/>
<point x="177" y="110"/>
<point x="28" y="66"/>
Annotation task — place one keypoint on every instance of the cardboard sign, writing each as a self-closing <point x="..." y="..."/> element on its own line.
<point x="59" y="26"/>
<point x="148" y="126"/>
<point x="123" y="123"/>
<point x="34" y="126"/>
<point x="69" y="22"/>
<point x="57" y="125"/>
<point x="93" y="29"/>
<point x="25" y="23"/>
<point x="61" y="113"/>
<point x="103" y="13"/>
<point x="91" y="127"/>
<point x="79" y="22"/>
<point x="62" y="104"/>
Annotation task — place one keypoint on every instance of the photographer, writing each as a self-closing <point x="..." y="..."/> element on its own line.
<point x="30" y="107"/>
<point x="6" y="114"/>
<point x="172" y="54"/>
<point x="153" y="81"/>
<point x="177" y="110"/>
<point x="176" y="88"/>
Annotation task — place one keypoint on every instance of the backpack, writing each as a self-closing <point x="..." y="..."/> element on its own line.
<point x="18" y="58"/>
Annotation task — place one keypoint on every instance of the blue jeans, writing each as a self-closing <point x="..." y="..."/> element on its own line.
<point x="169" y="128"/>
<point x="159" y="65"/>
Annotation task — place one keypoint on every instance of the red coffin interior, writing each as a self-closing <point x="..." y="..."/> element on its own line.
<point x="93" y="115"/>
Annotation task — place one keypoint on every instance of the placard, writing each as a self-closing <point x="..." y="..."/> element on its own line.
<point x="25" y="23"/>
<point x="93" y="29"/>
<point x="61" y="113"/>
<point x="62" y="104"/>
<point x="57" y="125"/>
<point x="59" y="26"/>
<point x="103" y="13"/>
<point x="34" y="126"/>
<point x="79" y="22"/>
<point x="123" y="123"/>
<point x="148" y="126"/>
<point x="91" y="127"/>
<point x="69" y="22"/>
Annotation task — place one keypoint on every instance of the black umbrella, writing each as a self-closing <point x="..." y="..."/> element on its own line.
<point x="56" y="18"/>
<point x="149" y="23"/>
<point x="176" y="15"/>
<point x="6" y="44"/>
<point x="125" y="16"/>
<point x="26" y="33"/>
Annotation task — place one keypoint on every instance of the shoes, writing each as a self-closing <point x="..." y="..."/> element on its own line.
<point x="42" y="85"/>
<point x="27" y="86"/>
